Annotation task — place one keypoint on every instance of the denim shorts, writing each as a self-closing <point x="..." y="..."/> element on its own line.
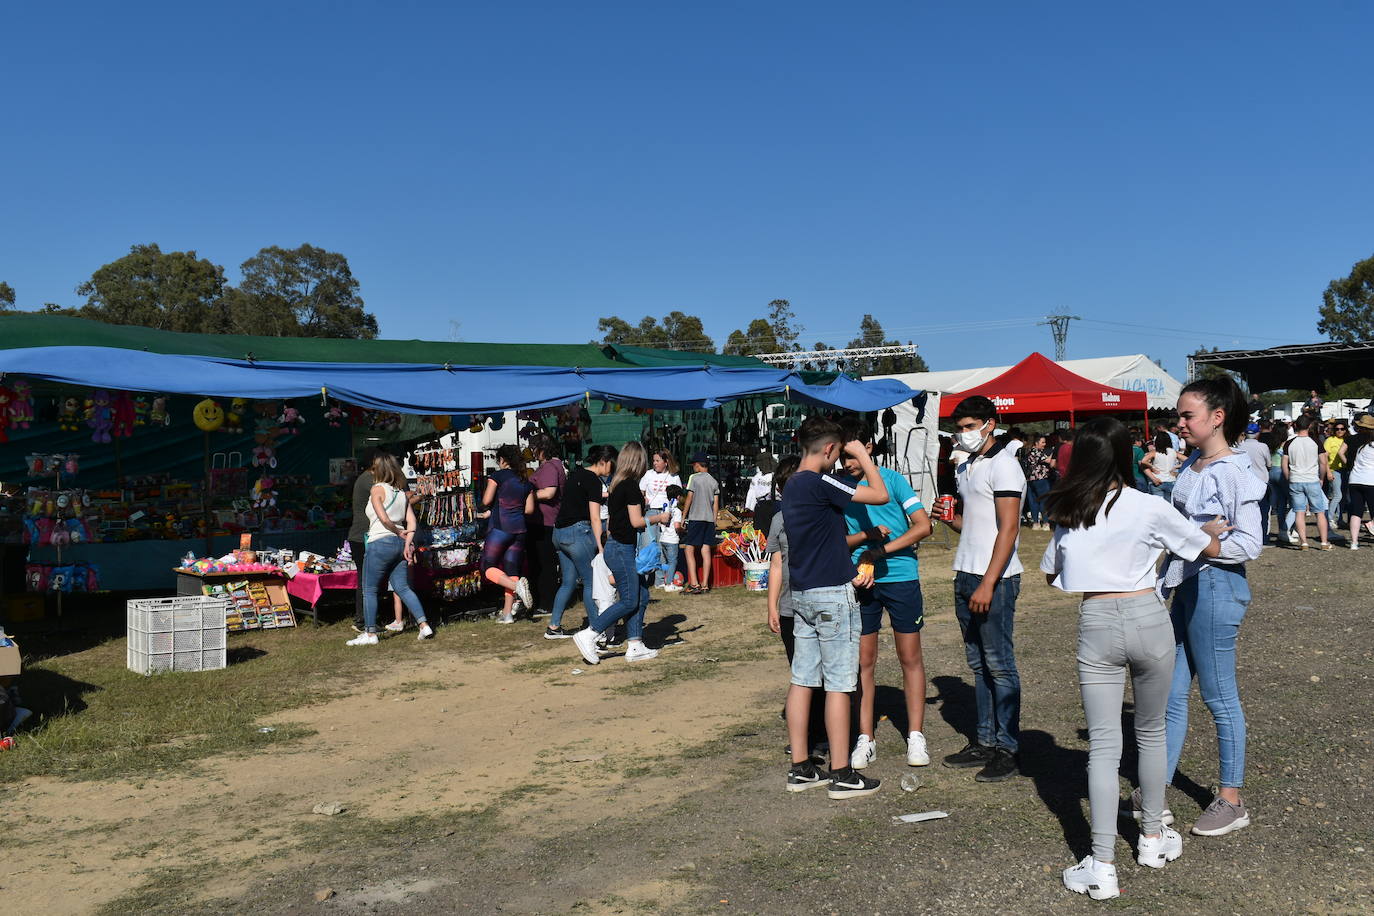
<point x="1307" y="496"/>
<point x="826" y="626"/>
<point x="901" y="600"/>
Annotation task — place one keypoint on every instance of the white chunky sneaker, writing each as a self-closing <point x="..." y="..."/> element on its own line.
<point x="363" y="639"/>
<point x="426" y="632"/>
<point x="585" y="640"/>
<point x="1155" y="852"/>
<point x="865" y="752"/>
<point x="1094" y="878"/>
<point x="916" y="753"/>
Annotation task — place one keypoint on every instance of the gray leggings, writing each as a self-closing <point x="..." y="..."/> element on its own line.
<point x="1114" y="635"/>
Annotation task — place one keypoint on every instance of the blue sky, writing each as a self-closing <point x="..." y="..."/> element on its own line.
<point x="1194" y="173"/>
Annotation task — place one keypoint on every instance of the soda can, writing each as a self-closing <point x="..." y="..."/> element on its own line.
<point x="7" y="743"/>
<point x="944" y="508"/>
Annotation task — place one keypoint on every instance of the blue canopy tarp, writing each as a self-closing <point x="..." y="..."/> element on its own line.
<point x="436" y="389"/>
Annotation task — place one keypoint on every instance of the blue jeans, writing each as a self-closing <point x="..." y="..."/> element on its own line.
<point x="385" y="559"/>
<point x="992" y="659"/>
<point x="1035" y="496"/>
<point x="630" y="586"/>
<point x="576" y="550"/>
<point x="1334" y="501"/>
<point x="1164" y="488"/>
<point x="1278" y="501"/>
<point x="1207" y="613"/>
<point x="669" y="567"/>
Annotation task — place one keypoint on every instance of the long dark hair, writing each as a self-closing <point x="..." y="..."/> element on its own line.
<point x="787" y="466"/>
<point x="1222" y="393"/>
<point x="1359" y="438"/>
<point x="514" y="460"/>
<point x="1101" y="462"/>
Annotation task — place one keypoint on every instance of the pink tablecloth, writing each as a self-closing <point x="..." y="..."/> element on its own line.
<point x="310" y="588"/>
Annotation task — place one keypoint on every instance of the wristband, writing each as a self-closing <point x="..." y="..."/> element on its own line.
<point x="874" y="535"/>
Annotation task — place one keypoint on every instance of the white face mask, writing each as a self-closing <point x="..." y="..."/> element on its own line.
<point x="972" y="440"/>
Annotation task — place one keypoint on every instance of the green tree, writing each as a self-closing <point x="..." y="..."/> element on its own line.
<point x="678" y="331"/>
<point x="871" y="334"/>
<point x="173" y="291"/>
<point x="299" y="292"/>
<point x="774" y="334"/>
<point x="1347" y="310"/>
<point x="6" y="296"/>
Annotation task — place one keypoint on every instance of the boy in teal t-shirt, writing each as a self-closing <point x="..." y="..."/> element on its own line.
<point x="886" y="536"/>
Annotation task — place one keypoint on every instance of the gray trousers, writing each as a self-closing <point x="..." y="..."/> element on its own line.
<point x="1116" y="635"/>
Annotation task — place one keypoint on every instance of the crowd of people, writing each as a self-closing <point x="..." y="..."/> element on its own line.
<point x="842" y="533"/>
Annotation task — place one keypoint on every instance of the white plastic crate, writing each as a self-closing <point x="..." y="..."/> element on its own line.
<point x="177" y="634"/>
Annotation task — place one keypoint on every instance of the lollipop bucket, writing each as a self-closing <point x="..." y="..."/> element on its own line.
<point x="756" y="577"/>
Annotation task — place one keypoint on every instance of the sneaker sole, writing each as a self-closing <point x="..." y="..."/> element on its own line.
<point x="1167" y="818"/>
<point x="1160" y="859"/>
<point x="839" y="794"/>
<point x="922" y="761"/>
<point x="558" y="635"/>
<point x="981" y="778"/>
<point x="641" y="658"/>
<point x="861" y="764"/>
<point x="1092" y="891"/>
<point x="803" y="786"/>
<point x="1232" y="827"/>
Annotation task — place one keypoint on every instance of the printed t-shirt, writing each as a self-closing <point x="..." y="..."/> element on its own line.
<point x="1120" y="551"/>
<point x="667" y="531"/>
<point x="980" y="480"/>
<point x="581" y="487"/>
<point x="625" y="495"/>
<point x="777" y="543"/>
<point x="901" y="566"/>
<point x="549" y="474"/>
<point x="508" y="514"/>
<point x="1302" y="460"/>
<point x="655" y="484"/>
<point x="814" y="505"/>
<point x="703" y="488"/>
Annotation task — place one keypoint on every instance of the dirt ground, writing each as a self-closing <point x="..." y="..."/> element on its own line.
<point x="500" y="773"/>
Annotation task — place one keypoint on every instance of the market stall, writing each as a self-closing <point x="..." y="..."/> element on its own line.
<point x="1039" y="389"/>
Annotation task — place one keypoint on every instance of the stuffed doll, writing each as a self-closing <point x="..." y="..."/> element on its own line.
<point x="141" y="408"/>
<point x="264" y="497"/>
<point x="101" y="418"/>
<point x="123" y="410"/>
<point x="21" y="408"/>
<point x="159" y="416"/>
<point x="233" y="417"/>
<point x="6" y="399"/>
<point x="290" y="420"/>
<point x="335" y="415"/>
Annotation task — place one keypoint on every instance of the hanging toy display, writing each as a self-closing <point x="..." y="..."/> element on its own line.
<point x="233" y="417"/>
<point x="124" y="415"/>
<point x="159" y="416"/>
<point x="264" y="497"/>
<point x="6" y="399"/>
<point x="100" y="416"/>
<point x="334" y="415"/>
<point x="141" y="407"/>
<point x="476" y="424"/>
<point x="21" y="408"/>
<point x="290" y="421"/>
<point x="265" y="434"/>
<point x="69" y="415"/>
<point x="208" y="415"/>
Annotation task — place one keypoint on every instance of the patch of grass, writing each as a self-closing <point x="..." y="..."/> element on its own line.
<point x="170" y="889"/>
<point x="542" y="665"/>
<point x="406" y="688"/>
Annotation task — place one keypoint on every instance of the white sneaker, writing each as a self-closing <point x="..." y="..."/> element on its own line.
<point x="672" y="588"/>
<point x="1154" y="852"/>
<point x="426" y="632"/>
<point x="506" y="618"/>
<point x="865" y="752"/>
<point x="585" y="640"/>
<point x="522" y="591"/>
<point x="363" y="639"/>
<point x="1094" y="878"/>
<point x="395" y="626"/>
<point x="638" y="652"/>
<point x="916" y="753"/>
<point x="1292" y="535"/>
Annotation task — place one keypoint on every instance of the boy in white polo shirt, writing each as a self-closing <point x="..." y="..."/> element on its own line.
<point x="986" y="584"/>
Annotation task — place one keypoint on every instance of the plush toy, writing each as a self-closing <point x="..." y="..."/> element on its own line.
<point x="141" y="410"/>
<point x="21" y="408"/>
<point x="6" y="399"/>
<point x="159" y="415"/>
<point x="290" y="420"/>
<point x="265" y="434"/>
<point x="102" y="416"/>
<point x="208" y="415"/>
<point x="233" y="417"/>
<point x="124" y="415"/>
<point x="335" y="415"/>
<point x="264" y="497"/>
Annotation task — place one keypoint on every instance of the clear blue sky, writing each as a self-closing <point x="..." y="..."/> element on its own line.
<point x="1199" y="171"/>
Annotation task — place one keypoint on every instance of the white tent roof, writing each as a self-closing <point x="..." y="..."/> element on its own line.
<point x="1136" y="372"/>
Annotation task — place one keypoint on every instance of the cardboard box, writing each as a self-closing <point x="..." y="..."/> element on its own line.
<point x="24" y="607"/>
<point x="10" y="663"/>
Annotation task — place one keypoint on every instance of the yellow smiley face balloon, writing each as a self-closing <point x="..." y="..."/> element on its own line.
<point x="208" y="415"/>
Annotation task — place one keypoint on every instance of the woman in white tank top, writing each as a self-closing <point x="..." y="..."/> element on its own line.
<point x="390" y="549"/>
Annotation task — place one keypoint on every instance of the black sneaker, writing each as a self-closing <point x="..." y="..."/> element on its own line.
<point x="973" y="755"/>
<point x="805" y="776"/>
<point x="556" y="633"/>
<point x="850" y="783"/>
<point x="1002" y="765"/>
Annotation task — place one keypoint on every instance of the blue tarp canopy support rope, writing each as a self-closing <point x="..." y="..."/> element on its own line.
<point x="438" y="389"/>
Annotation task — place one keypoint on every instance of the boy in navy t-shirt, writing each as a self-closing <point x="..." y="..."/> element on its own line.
<point x="826" y="614"/>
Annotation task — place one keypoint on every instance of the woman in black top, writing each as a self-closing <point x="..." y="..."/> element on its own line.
<point x="625" y="519"/>
<point x="577" y="534"/>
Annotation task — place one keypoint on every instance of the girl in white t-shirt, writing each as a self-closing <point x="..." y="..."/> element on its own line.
<point x="1161" y="466"/>
<point x="1107" y="542"/>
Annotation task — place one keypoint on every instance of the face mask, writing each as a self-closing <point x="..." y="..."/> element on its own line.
<point x="971" y="440"/>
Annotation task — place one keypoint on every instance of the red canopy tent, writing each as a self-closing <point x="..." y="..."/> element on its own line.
<point x="1040" y="389"/>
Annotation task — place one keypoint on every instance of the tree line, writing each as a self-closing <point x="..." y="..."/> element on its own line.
<point x="285" y="292"/>
<point x="776" y="331"/>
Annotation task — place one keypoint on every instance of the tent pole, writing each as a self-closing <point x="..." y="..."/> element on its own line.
<point x="205" y="501"/>
<point x="1147" y="423"/>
